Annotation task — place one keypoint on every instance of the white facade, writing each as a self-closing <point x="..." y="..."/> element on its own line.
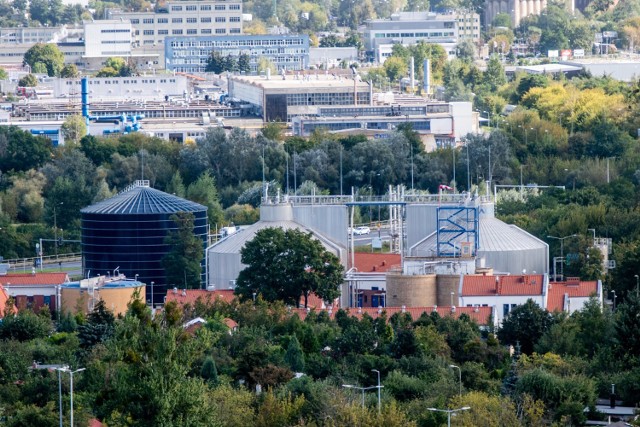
<point x="408" y="28"/>
<point x="107" y="38"/>
<point x="123" y="88"/>
<point x="183" y="18"/>
<point x="503" y="303"/>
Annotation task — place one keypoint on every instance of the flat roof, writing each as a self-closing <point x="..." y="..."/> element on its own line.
<point x="304" y="81"/>
<point x="548" y="68"/>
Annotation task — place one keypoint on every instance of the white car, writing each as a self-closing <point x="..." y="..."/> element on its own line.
<point x="361" y="230"/>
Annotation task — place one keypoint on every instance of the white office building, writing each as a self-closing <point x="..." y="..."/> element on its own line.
<point x="107" y="38"/>
<point x="183" y="18"/>
<point x="408" y="28"/>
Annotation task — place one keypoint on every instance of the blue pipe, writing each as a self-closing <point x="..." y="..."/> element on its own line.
<point x="45" y="131"/>
<point x="85" y="96"/>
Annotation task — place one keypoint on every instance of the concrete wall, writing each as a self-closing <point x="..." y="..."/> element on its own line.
<point x="446" y="284"/>
<point x="223" y="267"/>
<point x="411" y="291"/>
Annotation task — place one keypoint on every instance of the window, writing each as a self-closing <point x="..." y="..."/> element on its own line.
<point x="234" y="19"/>
<point x="234" y="31"/>
<point x="234" y="7"/>
<point x="221" y="31"/>
<point x="205" y="7"/>
<point x="176" y="20"/>
<point x="176" y="8"/>
<point x="163" y="32"/>
<point x="192" y="20"/>
<point x="135" y="21"/>
<point x="176" y="32"/>
<point x="147" y="32"/>
<point x="221" y="19"/>
<point x="221" y="7"/>
<point x="148" y="42"/>
<point x="205" y="31"/>
<point x="191" y="7"/>
<point x="147" y="21"/>
<point x="192" y="31"/>
<point x="163" y="20"/>
<point x="207" y="19"/>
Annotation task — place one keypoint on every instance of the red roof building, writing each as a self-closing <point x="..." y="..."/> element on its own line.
<point x="571" y="295"/>
<point x="34" y="290"/>
<point x="375" y="263"/>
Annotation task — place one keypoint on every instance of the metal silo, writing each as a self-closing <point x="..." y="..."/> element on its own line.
<point x="127" y="232"/>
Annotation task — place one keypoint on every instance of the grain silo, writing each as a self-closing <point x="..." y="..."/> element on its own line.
<point x="127" y="233"/>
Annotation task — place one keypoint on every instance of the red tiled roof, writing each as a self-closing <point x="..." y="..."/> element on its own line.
<point x="479" y="314"/>
<point x="34" y="279"/>
<point x="191" y="295"/>
<point x="379" y="263"/>
<point x="231" y="324"/>
<point x="314" y="301"/>
<point x="577" y="289"/>
<point x="528" y="284"/>
<point x="94" y="423"/>
<point x="3" y="302"/>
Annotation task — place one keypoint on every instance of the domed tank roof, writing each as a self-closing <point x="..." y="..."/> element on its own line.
<point x="140" y="199"/>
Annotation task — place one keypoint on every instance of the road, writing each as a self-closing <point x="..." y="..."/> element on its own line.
<point x="365" y="239"/>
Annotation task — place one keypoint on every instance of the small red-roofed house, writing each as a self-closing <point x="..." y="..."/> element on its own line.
<point x="504" y="292"/>
<point x="570" y="296"/>
<point x="367" y="281"/>
<point x="34" y="290"/>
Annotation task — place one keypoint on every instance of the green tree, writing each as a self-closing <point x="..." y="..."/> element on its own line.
<point x="47" y="54"/>
<point x="209" y="372"/>
<point x="244" y="63"/>
<point x="494" y="76"/>
<point x="25" y="326"/>
<point x="286" y="265"/>
<point x="215" y="62"/>
<point x="21" y="151"/>
<point x="627" y="326"/>
<point x="99" y="326"/>
<point x="73" y="129"/>
<point x="3" y="74"/>
<point x="525" y="324"/>
<point x="204" y="191"/>
<point x="69" y="71"/>
<point x="294" y="355"/>
<point x="182" y="262"/>
<point x="28" y="81"/>
<point x="395" y="68"/>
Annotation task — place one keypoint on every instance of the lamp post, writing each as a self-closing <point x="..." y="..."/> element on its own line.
<point x="379" y="386"/>
<point x="459" y="376"/>
<point x="66" y="369"/>
<point x="449" y="412"/>
<point x="362" y="389"/>
<point x="562" y="239"/>
<point x="55" y="227"/>
<point x="637" y="284"/>
<point x="152" y="283"/>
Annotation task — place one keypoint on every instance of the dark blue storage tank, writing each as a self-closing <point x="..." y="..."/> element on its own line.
<point x="128" y="231"/>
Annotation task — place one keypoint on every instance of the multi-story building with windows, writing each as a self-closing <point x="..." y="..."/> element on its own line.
<point x="190" y="54"/>
<point x="183" y="18"/>
<point x="408" y="28"/>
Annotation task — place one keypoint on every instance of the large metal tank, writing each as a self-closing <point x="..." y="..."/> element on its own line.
<point x="127" y="232"/>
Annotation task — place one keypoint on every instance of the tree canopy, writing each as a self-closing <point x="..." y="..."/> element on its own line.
<point x="287" y="265"/>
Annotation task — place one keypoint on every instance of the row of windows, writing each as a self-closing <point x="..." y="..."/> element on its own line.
<point x="255" y="51"/>
<point x="133" y="82"/>
<point x="116" y="52"/>
<point x="238" y="43"/>
<point x="192" y="31"/>
<point x="340" y="98"/>
<point x="192" y="8"/>
<point x="115" y="31"/>
<point x="115" y="41"/>
<point x="412" y="35"/>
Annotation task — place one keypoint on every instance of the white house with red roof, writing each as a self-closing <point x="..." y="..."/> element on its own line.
<point x="504" y="292"/>
<point x="570" y="296"/>
<point x="34" y="290"/>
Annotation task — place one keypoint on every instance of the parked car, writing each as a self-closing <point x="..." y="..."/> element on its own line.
<point x="361" y="230"/>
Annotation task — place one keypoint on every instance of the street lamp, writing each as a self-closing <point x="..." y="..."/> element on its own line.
<point x="66" y="369"/>
<point x="637" y="284"/>
<point x="449" y="412"/>
<point x="459" y="376"/>
<point x="152" y="283"/>
<point x="362" y="389"/>
<point x="555" y="277"/>
<point x="55" y="227"/>
<point x="379" y="386"/>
